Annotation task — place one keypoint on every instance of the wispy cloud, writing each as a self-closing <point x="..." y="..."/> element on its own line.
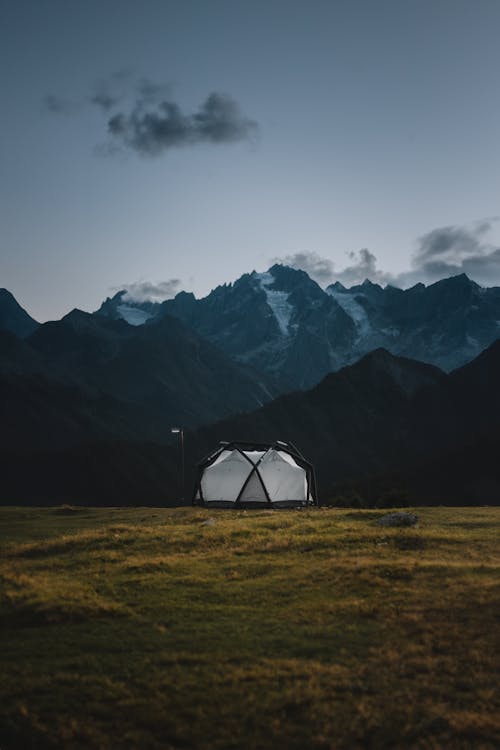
<point x="57" y="105"/>
<point x="110" y="90"/>
<point x="149" y="291"/>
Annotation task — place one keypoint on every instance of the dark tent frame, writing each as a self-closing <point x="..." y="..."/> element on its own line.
<point x="241" y="447"/>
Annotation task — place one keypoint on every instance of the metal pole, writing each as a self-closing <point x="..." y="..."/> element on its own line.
<point x="179" y="431"/>
<point x="182" y="465"/>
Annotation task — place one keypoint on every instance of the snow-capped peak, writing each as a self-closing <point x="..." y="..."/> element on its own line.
<point x="133" y="315"/>
<point x="353" y="308"/>
<point x="277" y="301"/>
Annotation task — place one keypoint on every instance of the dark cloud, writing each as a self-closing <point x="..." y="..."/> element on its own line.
<point x="451" y="242"/>
<point x="451" y="250"/>
<point x="142" y="117"/>
<point x="151" y="131"/>
<point x="148" y="291"/>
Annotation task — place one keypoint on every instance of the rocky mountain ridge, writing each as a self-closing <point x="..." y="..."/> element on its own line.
<point x="87" y="377"/>
<point x="13" y="318"/>
<point x="283" y="323"/>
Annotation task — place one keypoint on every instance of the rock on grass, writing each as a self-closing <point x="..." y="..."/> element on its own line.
<point x="398" y="519"/>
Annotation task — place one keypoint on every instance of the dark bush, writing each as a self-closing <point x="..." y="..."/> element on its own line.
<point x="392" y="498"/>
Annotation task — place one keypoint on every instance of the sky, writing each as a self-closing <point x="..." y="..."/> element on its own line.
<point x="159" y="145"/>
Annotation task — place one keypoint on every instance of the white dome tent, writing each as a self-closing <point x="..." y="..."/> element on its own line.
<point x="255" y="475"/>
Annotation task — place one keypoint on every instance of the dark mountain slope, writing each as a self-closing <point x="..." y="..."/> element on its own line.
<point x="146" y="379"/>
<point x="82" y="399"/>
<point x="356" y="422"/>
<point x="42" y="406"/>
<point x="384" y="422"/>
<point x="166" y="369"/>
<point x="13" y="317"/>
<point x="120" y="307"/>
<point x="447" y="323"/>
<point x="387" y="421"/>
<point x="280" y="322"/>
<point x="96" y="473"/>
<point x="62" y="440"/>
<point x="18" y="358"/>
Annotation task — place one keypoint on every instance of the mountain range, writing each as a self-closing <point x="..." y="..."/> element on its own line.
<point x="284" y="324"/>
<point x="87" y="402"/>
<point x="118" y="381"/>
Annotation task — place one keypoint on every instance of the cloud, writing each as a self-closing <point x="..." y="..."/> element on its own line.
<point x="151" y="131"/>
<point x="141" y="116"/>
<point x="318" y="268"/>
<point x="148" y="291"/>
<point x="104" y="100"/>
<point x="449" y="241"/>
<point x="363" y="265"/>
<point x="108" y="92"/>
<point x="440" y="253"/>
<point x="452" y="250"/>
<point x="150" y="92"/>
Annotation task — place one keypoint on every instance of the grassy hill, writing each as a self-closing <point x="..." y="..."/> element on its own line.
<point x="180" y="628"/>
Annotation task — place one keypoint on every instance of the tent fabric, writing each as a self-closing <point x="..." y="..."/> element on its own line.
<point x="254" y="475"/>
<point x="283" y="480"/>
<point x="253" y="491"/>
<point x="226" y="476"/>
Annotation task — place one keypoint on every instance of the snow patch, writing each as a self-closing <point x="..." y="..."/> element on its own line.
<point x="133" y="315"/>
<point x="277" y="301"/>
<point x="472" y="342"/>
<point x="391" y="331"/>
<point x="355" y="311"/>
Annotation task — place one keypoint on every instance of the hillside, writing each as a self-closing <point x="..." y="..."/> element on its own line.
<point x="116" y="383"/>
<point x="387" y="422"/>
<point x="316" y="629"/>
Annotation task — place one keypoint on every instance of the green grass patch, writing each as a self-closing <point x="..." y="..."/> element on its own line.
<point x="147" y="628"/>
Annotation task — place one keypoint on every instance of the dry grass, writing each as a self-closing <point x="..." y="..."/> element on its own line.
<point x="134" y="628"/>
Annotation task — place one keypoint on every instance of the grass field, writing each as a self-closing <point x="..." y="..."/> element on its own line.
<point x="183" y="628"/>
